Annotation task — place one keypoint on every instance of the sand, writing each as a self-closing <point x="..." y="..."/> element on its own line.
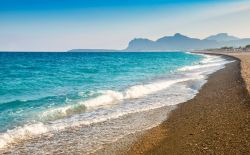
<point x="216" y="121"/>
<point x="245" y="65"/>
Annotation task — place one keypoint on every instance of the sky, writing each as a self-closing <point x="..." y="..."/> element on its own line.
<point x="61" y="25"/>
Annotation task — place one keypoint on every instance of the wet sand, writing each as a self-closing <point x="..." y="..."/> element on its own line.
<point x="216" y="121"/>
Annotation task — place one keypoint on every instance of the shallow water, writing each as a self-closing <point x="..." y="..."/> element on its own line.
<point x="92" y="99"/>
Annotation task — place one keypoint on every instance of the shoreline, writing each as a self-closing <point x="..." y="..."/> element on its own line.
<point x="143" y="142"/>
<point x="243" y="57"/>
<point x="215" y="121"/>
<point x="59" y="139"/>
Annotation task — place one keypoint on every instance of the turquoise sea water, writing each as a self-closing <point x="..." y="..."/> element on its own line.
<point x="35" y="82"/>
<point x="44" y="92"/>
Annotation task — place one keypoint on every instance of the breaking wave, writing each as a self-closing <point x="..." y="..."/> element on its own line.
<point x="110" y="98"/>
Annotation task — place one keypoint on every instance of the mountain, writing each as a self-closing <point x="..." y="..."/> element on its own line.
<point x="178" y="42"/>
<point x="221" y="37"/>
<point x="182" y="42"/>
<point x="141" y="44"/>
<point x="236" y="43"/>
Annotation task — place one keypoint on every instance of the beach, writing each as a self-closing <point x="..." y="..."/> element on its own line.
<point x="128" y="77"/>
<point x="87" y="105"/>
<point x="211" y="120"/>
<point x="216" y="121"/>
<point x="245" y="66"/>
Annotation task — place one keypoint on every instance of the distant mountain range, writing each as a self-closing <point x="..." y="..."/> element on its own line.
<point x="221" y="37"/>
<point x="179" y="42"/>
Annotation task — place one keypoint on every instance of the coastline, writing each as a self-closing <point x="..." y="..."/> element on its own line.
<point x="215" y="121"/>
<point x="244" y="58"/>
<point x="82" y="137"/>
<point x="154" y="140"/>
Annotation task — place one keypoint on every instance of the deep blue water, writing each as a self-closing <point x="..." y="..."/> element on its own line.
<point x="33" y="83"/>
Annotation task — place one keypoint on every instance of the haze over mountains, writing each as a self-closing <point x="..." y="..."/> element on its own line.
<point x="222" y="37"/>
<point x="181" y="42"/>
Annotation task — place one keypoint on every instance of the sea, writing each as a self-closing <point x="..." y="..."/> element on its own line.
<point x="93" y="98"/>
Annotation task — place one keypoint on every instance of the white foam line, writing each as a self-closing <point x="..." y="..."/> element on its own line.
<point x="207" y="62"/>
<point x="108" y="97"/>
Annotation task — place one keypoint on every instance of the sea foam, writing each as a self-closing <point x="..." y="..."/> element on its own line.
<point x="73" y="115"/>
<point x="110" y="97"/>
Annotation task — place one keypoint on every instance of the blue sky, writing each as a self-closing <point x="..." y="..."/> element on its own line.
<point x="59" y="25"/>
